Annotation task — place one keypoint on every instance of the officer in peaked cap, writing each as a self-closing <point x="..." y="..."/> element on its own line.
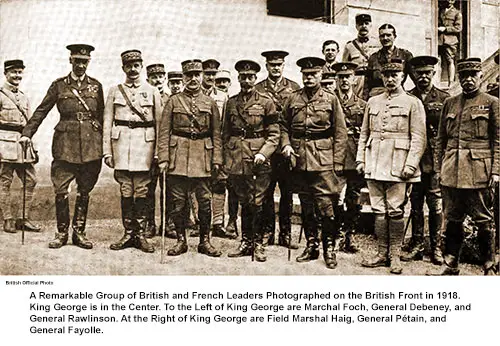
<point x="175" y="83"/>
<point x="14" y="114"/>
<point x="129" y="137"/>
<point x="423" y="70"/>
<point x="77" y="143"/>
<point x="278" y="88"/>
<point x="250" y="136"/>
<point x="223" y="80"/>
<point x="190" y="152"/>
<point x="315" y="133"/>
<point x="390" y="147"/>
<point x="468" y="159"/>
<point x="156" y="77"/>
<point x="353" y="107"/>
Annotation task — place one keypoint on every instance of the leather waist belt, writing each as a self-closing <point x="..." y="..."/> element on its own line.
<point x="192" y="135"/>
<point x="80" y="116"/>
<point x="389" y="135"/>
<point x="11" y="127"/>
<point x="134" y="124"/>
<point x="244" y="133"/>
<point x="312" y="135"/>
<point x="455" y="143"/>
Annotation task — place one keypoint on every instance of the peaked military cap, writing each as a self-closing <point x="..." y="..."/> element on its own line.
<point x="223" y="74"/>
<point x="155" y="68"/>
<point x="423" y="62"/>
<point x="131" y="55"/>
<point x="363" y="17"/>
<point x="275" y="56"/>
<point x="344" y="67"/>
<point x="193" y="65"/>
<point x="469" y="64"/>
<point x="328" y="77"/>
<point x="80" y="51"/>
<point x="311" y="64"/>
<point x="174" y="75"/>
<point x="394" y="65"/>
<point x="210" y="65"/>
<point x="9" y="64"/>
<point x="247" y="67"/>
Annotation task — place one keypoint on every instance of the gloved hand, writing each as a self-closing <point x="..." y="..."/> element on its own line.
<point x="108" y="160"/>
<point x="408" y="172"/>
<point x="360" y="168"/>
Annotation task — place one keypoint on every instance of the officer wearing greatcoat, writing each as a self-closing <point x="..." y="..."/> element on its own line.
<point x="189" y="150"/>
<point x="77" y="142"/>
<point x="315" y="137"/>
<point x="250" y="136"/>
<point x="468" y="159"/>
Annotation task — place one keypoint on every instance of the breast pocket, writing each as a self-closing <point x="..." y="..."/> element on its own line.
<point x="204" y="116"/>
<point x="323" y="111"/>
<point x="450" y="122"/>
<point x="324" y="151"/>
<point x="480" y="121"/>
<point x="400" y="118"/>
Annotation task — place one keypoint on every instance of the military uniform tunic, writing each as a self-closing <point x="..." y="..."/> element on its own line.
<point x="77" y="141"/>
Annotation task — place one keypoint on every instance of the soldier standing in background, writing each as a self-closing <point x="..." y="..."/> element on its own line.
<point x="360" y="49"/>
<point x="390" y="147"/>
<point x="374" y="84"/>
<point x="354" y="108"/>
<point x="189" y="150"/>
<point x="174" y="82"/>
<point x="278" y="88"/>
<point x="77" y="142"/>
<point x="329" y="81"/>
<point x="315" y="134"/>
<point x="449" y="28"/>
<point x="468" y="159"/>
<point x="250" y="137"/>
<point x="428" y="188"/>
<point x="223" y="80"/>
<point x="14" y="114"/>
<point x="330" y="50"/>
<point x="129" y="139"/>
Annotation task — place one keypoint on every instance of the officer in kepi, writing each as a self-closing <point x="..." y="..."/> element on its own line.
<point x="354" y="108"/>
<point x="329" y="81"/>
<point x="189" y="151"/>
<point x="129" y="139"/>
<point x="223" y="80"/>
<point x="315" y="135"/>
<point x="422" y="69"/>
<point x="14" y="114"/>
<point x="77" y="142"/>
<point x="390" y="147"/>
<point x="468" y="159"/>
<point x="175" y="83"/>
<point x="250" y="137"/>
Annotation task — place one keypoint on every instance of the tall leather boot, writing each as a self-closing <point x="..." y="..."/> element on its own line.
<point x="180" y="221"/>
<point x="232" y="206"/>
<point x="79" y="220"/>
<point x="381" y="231"/>
<point x="351" y="223"/>
<point x="328" y="234"/>
<point x="311" y="252"/>
<point x="269" y="214"/>
<point x="62" y="217"/>
<point x="258" y="233"/>
<point x="245" y="247"/>
<point x="416" y="251"/>
<point x="435" y="227"/>
<point x="128" y="239"/>
<point x="285" y="235"/>
<point x="486" y="240"/>
<point x="454" y="237"/>
<point x="396" y="234"/>
<point x="141" y="211"/>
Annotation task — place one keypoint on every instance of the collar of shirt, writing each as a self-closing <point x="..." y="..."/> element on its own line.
<point x="11" y="87"/>
<point x="207" y="91"/>
<point x="363" y="39"/>
<point x="76" y="78"/>
<point x="190" y="93"/>
<point x="132" y="84"/>
<point x="395" y="93"/>
<point x="343" y="95"/>
<point x="274" y="84"/>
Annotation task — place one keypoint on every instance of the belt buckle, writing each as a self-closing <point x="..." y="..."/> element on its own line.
<point x="192" y="136"/>
<point x="130" y="124"/>
<point x="307" y="135"/>
<point x="243" y="133"/>
<point x="79" y="116"/>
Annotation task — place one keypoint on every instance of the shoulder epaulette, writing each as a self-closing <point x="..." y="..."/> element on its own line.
<point x="60" y="79"/>
<point x="262" y="95"/>
<point x="410" y="94"/>
<point x="93" y="80"/>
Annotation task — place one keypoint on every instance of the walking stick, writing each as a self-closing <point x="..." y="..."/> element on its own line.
<point x="23" y="159"/>
<point x="163" y="215"/>
<point x="290" y="212"/>
<point x="254" y="207"/>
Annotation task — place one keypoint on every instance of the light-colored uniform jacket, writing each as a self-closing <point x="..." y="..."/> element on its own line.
<point x="393" y="136"/>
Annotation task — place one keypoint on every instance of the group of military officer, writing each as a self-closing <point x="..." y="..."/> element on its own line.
<point x="355" y="129"/>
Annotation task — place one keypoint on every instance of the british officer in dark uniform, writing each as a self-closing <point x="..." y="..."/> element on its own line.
<point x="250" y="137"/>
<point x="315" y="133"/>
<point x="77" y="142"/>
<point x="189" y="150"/>
<point x="468" y="159"/>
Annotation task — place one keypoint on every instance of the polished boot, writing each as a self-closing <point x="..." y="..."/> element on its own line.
<point x="381" y="231"/>
<point x="79" y="220"/>
<point x="150" y="231"/>
<point x="349" y="220"/>
<point x="232" y="227"/>
<point x="141" y="212"/>
<point x="245" y="247"/>
<point x="330" y="229"/>
<point x="285" y="235"/>
<point x="486" y="240"/>
<point x="221" y="232"/>
<point x="204" y="247"/>
<point x="128" y="239"/>
<point x="62" y="216"/>
<point x="311" y="252"/>
<point x="416" y="250"/>
<point x="28" y="225"/>
<point x="181" y="246"/>
<point x="396" y="234"/>
<point x="448" y="268"/>
<point x="452" y="248"/>
<point x="9" y="226"/>
<point x="259" y="250"/>
<point x="435" y="227"/>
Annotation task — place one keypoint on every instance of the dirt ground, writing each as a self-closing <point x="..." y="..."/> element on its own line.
<point x="35" y="258"/>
